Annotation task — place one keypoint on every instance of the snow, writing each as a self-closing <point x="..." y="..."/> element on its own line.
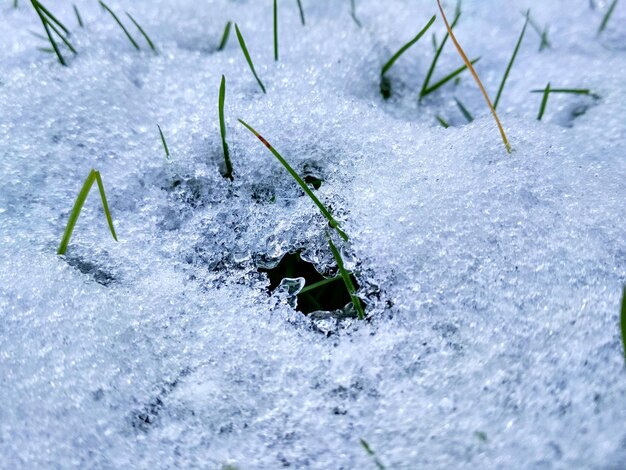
<point x="493" y="281"/>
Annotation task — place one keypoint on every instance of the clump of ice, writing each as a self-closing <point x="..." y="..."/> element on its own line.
<point x="493" y="281"/>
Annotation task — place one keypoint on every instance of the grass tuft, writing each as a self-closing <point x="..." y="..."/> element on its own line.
<point x="346" y="279"/>
<point x="607" y="17"/>
<point x="52" y="25"/>
<point x="385" y="88"/>
<point x="94" y="175"/>
<point x="475" y="75"/>
<point x="302" y="20"/>
<point x="167" y="150"/>
<point x="225" y="36"/>
<point x="510" y="64"/>
<point x="244" y="49"/>
<point x="78" y="18"/>
<point x="222" y="99"/>
<point x="325" y="212"/>
<point x="623" y="321"/>
<point x="572" y="91"/>
<point x="275" y="31"/>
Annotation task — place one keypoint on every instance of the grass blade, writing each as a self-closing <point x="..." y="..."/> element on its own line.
<point x="225" y="36"/>
<point x="52" y="17"/>
<point x="443" y="122"/>
<point x="325" y="212"/>
<point x="353" y="13"/>
<point x="301" y="12"/>
<point x="222" y="99"/>
<point x="44" y="22"/>
<point x="505" y="140"/>
<point x="78" y="205"/>
<point x="63" y="38"/>
<point x="143" y="33"/>
<point x="510" y="64"/>
<point x="573" y="91"/>
<point x="545" y="43"/>
<point x="319" y="284"/>
<point x="439" y="50"/>
<point x="404" y="48"/>
<point x="167" y="151"/>
<point x="78" y="18"/>
<point x="275" y="31"/>
<point x="121" y="25"/>
<point x="448" y="77"/>
<point x="544" y="102"/>
<point x="372" y="454"/>
<point x="105" y="205"/>
<point x="607" y="17"/>
<point x="464" y="111"/>
<point x="346" y="279"/>
<point x="244" y="49"/>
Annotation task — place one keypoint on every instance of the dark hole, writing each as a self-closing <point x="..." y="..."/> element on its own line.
<point x="328" y="297"/>
<point x="313" y="181"/>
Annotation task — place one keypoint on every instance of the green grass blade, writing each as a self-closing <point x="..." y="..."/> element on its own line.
<point x="545" y="43"/>
<point x="105" y="205"/>
<point x="222" y="99"/>
<point x="46" y="12"/>
<point x="244" y="49"/>
<point x="225" y="36"/>
<point x="406" y="47"/>
<point x="346" y="279"/>
<point x="510" y="64"/>
<point x="325" y="212"/>
<point x="353" y="13"/>
<point x="78" y="18"/>
<point x="544" y="102"/>
<point x="319" y="284"/>
<point x="448" y="77"/>
<point x="167" y="151"/>
<point x="63" y="38"/>
<point x="372" y="454"/>
<point x="464" y="111"/>
<point x="431" y="69"/>
<point x="275" y="31"/>
<point x="443" y="122"/>
<point x="623" y="321"/>
<point x="44" y="22"/>
<point x="301" y="12"/>
<point x="574" y="91"/>
<point x="78" y="205"/>
<point x="607" y="17"/>
<point x="143" y="33"/>
<point x="121" y="25"/>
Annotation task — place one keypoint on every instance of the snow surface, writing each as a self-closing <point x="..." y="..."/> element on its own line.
<point x="493" y="281"/>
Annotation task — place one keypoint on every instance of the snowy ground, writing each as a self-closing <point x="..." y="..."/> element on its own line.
<point x="493" y="281"/>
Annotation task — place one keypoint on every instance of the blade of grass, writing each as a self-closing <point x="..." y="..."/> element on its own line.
<point x="372" y="454"/>
<point x="406" y="47"/>
<point x="301" y="12"/>
<point x="346" y="279"/>
<point x="443" y="122"/>
<point x="143" y="33"/>
<point x="325" y="212"/>
<point x="510" y="64"/>
<point x="244" y="49"/>
<point x="505" y="140"/>
<point x="353" y="13"/>
<point x="222" y="99"/>
<point x="319" y="284"/>
<point x="544" y="102"/>
<point x="63" y="38"/>
<point x="449" y="77"/>
<point x="78" y="205"/>
<point x="105" y="205"/>
<point x="225" y="36"/>
<point x="574" y="91"/>
<point x="167" y="151"/>
<point x="275" y="31"/>
<point x="121" y="25"/>
<point x="52" y="17"/>
<point x="545" y="43"/>
<point x="78" y="18"/>
<point x="44" y="22"/>
<point x="464" y="111"/>
<point x="607" y="17"/>
<point x="438" y="51"/>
